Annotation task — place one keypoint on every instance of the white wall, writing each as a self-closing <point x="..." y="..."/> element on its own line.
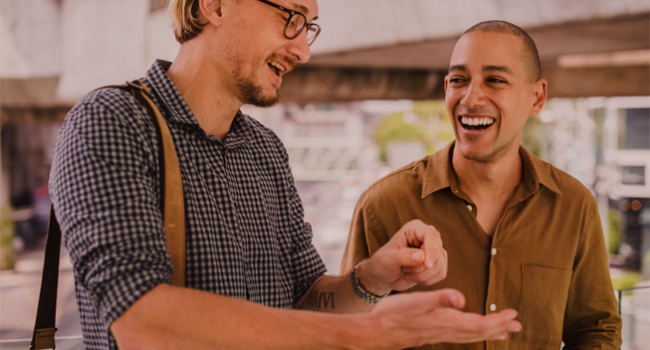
<point x="104" y="42"/>
<point x="86" y="43"/>
<point x="30" y="37"/>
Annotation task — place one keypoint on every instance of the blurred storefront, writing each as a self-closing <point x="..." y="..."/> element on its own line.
<point x="626" y="143"/>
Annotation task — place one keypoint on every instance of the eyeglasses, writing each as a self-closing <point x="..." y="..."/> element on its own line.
<point x="296" y="23"/>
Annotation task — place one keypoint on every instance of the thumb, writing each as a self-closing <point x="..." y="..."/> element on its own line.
<point x="444" y="298"/>
<point x="420" y="303"/>
<point x="410" y="256"/>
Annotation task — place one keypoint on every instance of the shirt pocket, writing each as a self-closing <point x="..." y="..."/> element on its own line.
<point x="542" y="303"/>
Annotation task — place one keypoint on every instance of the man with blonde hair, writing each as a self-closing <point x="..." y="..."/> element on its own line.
<point x="249" y="252"/>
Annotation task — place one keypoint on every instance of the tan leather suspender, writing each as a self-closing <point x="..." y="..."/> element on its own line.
<point x="173" y="211"/>
<point x="173" y="205"/>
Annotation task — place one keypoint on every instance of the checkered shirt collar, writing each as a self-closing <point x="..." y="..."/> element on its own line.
<point x="240" y="130"/>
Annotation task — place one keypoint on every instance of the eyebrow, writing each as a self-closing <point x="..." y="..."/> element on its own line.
<point x="463" y="68"/>
<point x="503" y="69"/>
<point x="458" y="67"/>
<point x="303" y="9"/>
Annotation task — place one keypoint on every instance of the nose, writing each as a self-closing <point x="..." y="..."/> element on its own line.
<point x="474" y="95"/>
<point x="299" y="48"/>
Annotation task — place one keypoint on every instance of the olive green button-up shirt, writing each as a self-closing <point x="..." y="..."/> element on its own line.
<point x="547" y="258"/>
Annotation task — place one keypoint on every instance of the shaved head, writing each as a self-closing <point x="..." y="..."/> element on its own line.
<point x="530" y="54"/>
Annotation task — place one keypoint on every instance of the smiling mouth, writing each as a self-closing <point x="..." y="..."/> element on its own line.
<point x="277" y="68"/>
<point x="475" y="123"/>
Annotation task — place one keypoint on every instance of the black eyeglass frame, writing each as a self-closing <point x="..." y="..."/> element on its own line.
<point x="293" y="13"/>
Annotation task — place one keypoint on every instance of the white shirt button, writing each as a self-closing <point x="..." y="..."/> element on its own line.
<point x="493" y="307"/>
<point x="469" y="206"/>
<point x="494" y="251"/>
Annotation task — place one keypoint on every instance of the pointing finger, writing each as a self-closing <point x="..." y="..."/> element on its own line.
<point x="432" y="246"/>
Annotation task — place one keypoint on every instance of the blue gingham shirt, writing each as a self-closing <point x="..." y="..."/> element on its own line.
<point x="245" y="231"/>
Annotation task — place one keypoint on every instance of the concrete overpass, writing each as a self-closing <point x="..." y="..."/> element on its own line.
<point x="387" y="49"/>
<point x="53" y="51"/>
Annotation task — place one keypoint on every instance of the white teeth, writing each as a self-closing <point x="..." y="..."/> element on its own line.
<point x="476" y="121"/>
<point x="277" y="65"/>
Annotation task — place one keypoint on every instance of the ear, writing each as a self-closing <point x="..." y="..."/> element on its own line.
<point x="539" y="90"/>
<point x="446" y="82"/>
<point x="211" y="11"/>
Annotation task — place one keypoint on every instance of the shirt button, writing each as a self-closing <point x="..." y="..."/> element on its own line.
<point x="493" y="307"/>
<point x="469" y="206"/>
<point x="494" y="251"/>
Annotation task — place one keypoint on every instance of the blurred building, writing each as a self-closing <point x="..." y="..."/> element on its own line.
<point x="52" y="52"/>
<point x="627" y="159"/>
<point x="595" y="52"/>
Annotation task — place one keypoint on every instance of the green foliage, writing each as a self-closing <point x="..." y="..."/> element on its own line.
<point x="427" y="122"/>
<point x="533" y="137"/>
<point x="394" y="128"/>
<point x="7" y="256"/>
<point x="614" y="230"/>
<point x="628" y="280"/>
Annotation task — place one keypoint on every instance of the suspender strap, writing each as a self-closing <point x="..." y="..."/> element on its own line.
<point x="172" y="191"/>
<point x="172" y="208"/>
<point x="43" y="337"/>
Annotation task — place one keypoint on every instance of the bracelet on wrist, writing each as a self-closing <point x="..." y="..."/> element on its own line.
<point x="362" y="293"/>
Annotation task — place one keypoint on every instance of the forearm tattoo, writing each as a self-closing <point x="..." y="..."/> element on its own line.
<point x="320" y="300"/>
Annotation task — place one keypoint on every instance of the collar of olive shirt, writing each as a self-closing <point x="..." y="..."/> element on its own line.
<point x="439" y="174"/>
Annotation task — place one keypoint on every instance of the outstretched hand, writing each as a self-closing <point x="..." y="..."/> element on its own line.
<point x="434" y="317"/>
<point x="413" y="256"/>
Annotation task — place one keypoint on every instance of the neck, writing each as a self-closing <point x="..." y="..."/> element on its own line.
<point x="199" y="80"/>
<point x="484" y="180"/>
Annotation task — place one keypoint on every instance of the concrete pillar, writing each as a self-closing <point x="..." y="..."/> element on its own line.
<point x="30" y="39"/>
<point x="104" y="42"/>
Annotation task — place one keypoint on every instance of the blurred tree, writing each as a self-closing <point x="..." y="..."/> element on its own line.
<point x="534" y="137"/>
<point x="7" y="228"/>
<point x="614" y="230"/>
<point x="427" y="122"/>
<point x="628" y="280"/>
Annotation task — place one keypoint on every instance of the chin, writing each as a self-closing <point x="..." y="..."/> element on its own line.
<point x="264" y="100"/>
<point x="476" y="153"/>
<point x="256" y="96"/>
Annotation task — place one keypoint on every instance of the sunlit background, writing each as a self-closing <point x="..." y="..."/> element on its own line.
<point x="369" y="102"/>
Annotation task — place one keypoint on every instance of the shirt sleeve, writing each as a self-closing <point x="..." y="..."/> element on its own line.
<point x="104" y="187"/>
<point x="306" y="264"/>
<point x="592" y="320"/>
<point x="366" y="235"/>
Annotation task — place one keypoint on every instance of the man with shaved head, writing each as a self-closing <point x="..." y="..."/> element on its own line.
<point x="519" y="232"/>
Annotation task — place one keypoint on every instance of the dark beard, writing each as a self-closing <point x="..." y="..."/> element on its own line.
<point x="253" y="94"/>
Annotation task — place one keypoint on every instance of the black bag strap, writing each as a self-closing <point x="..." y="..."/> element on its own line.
<point x="44" y="328"/>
